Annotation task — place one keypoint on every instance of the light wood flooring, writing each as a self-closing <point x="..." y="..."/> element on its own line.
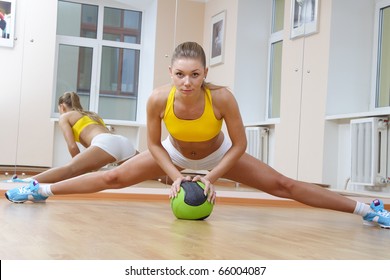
<point x="135" y="229"/>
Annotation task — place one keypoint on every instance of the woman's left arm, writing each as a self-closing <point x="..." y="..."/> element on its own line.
<point x="68" y="135"/>
<point x="225" y="105"/>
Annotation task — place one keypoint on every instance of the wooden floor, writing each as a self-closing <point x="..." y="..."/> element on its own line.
<point x="147" y="230"/>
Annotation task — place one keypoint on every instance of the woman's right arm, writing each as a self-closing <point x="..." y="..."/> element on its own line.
<point x="155" y="113"/>
<point x="68" y="135"/>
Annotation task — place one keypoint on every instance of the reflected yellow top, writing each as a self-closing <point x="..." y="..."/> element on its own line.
<point x="82" y="123"/>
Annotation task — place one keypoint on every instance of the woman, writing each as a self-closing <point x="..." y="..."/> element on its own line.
<point x="193" y="112"/>
<point x="88" y="129"/>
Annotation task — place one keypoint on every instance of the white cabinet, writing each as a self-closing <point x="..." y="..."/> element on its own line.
<point x="26" y="94"/>
<point x="299" y="138"/>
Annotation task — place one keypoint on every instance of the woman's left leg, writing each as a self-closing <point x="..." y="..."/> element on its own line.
<point x="93" y="158"/>
<point x="254" y="173"/>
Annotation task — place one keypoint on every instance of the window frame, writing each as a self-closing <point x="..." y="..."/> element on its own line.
<point x="376" y="53"/>
<point x="275" y="37"/>
<point x="97" y="46"/>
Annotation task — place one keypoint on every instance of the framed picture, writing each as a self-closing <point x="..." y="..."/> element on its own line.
<point x="217" y="38"/>
<point x="7" y="23"/>
<point x="304" y="17"/>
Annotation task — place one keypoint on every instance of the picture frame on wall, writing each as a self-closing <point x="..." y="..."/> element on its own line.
<point x="218" y="23"/>
<point x="304" y="18"/>
<point x="7" y="23"/>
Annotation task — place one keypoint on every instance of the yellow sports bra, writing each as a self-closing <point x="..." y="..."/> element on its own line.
<point x="199" y="130"/>
<point x="82" y="123"/>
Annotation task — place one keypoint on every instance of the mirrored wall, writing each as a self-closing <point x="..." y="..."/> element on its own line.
<point x="293" y="65"/>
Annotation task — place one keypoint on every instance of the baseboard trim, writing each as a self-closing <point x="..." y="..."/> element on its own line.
<point x="164" y="198"/>
<point x="239" y="201"/>
<point x="19" y="169"/>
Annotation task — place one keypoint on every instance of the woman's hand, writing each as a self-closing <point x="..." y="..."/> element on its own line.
<point x="209" y="189"/>
<point x="175" y="187"/>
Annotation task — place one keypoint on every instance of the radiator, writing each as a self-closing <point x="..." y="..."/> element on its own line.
<point x="369" y="151"/>
<point x="257" y="138"/>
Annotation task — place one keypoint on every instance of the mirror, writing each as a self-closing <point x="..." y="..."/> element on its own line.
<point x="182" y="15"/>
<point x="288" y="80"/>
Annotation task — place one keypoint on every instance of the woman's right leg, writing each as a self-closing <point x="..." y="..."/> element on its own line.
<point x="137" y="169"/>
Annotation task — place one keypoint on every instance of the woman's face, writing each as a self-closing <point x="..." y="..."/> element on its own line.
<point x="188" y="75"/>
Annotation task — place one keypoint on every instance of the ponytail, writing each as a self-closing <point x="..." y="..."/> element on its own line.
<point x="72" y="101"/>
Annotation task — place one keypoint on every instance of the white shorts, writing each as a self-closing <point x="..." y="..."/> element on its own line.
<point x="206" y="163"/>
<point x="116" y="145"/>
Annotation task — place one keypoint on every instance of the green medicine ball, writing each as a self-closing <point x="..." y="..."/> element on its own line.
<point x="191" y="203"/>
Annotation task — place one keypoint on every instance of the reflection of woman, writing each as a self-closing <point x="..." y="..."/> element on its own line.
<point x="3" y="25"/>
<point x="193" y="112"/>
<point x="87" y="128"/>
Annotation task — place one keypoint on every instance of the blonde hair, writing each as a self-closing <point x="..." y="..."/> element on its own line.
<point x="72" y="101"/>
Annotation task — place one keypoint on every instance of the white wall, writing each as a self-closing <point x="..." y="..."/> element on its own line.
<point x="222" y="74"/>
<point x="350" y="65"/>
<point x="189" y="22"/>
<point x="253" y="32"/>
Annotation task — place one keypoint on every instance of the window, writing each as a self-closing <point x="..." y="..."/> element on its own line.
<point x="382" y="82"/>
<point x="275" y="59"/>
<point x="98" y="56"/>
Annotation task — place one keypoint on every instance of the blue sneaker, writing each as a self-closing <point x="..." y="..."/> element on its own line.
<point x="15" y="179"/>
<point x="380" y="216"/>
<point x="22" y="194"/>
